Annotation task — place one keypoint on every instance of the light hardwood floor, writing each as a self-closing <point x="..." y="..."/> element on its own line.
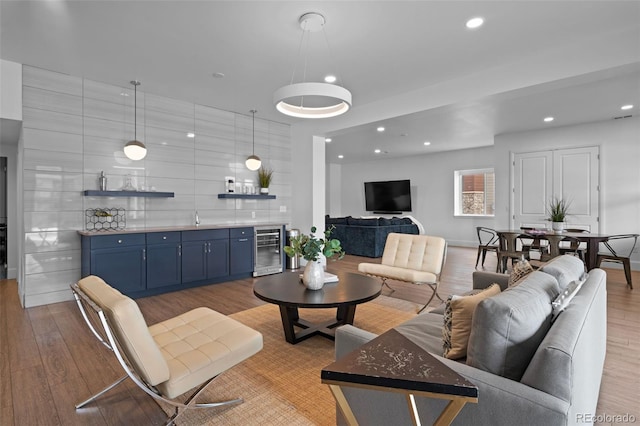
<point x="49" y="361"/>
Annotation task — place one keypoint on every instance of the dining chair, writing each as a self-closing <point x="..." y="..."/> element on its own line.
<point x="573" y="245"/>
<point x="531" y="242"/>
<point x="487" y="241"/>
<point x="619" y="249"/>
<point x="514" y="254"/>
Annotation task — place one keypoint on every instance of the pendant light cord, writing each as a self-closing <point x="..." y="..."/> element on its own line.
<point x="253" y="135"/>
<point x="135" y="83"/>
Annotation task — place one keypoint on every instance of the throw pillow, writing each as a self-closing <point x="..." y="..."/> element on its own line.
<point x="519" y="272"/>
<point x="458" y="316"/>
<point x="563" y="299"/>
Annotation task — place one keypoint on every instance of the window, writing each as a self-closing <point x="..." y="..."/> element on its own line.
<point x="474" y="192"/>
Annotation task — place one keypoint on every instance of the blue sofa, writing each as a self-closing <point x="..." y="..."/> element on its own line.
<point x="366" y="237"/>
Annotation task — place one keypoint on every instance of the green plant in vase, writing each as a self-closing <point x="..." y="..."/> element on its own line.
<point x="558" y="209"/>
<point x="310" y="248"/>
<point x="265" y="175"/>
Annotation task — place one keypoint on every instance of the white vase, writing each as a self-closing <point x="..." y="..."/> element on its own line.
<point x="264" y="190"/>
<point x="557" y="226"/>
<point x="313" y="275"/>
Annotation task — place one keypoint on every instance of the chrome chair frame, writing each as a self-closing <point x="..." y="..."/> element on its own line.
<point x="110" y="341"/>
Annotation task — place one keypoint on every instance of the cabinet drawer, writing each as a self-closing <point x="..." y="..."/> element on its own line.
<point x="120" y="240"/>
<point x="205" y="234"/>
<point x="163" y="237"/>
<point x="241" y="232"/>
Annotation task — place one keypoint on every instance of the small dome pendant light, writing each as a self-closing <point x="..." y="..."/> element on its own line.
<point x="253" y="162"/>
<point x="134" y="149"/>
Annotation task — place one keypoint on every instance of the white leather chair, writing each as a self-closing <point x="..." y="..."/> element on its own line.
<point x="169" y="358"/>
<point x="417" y="259"/>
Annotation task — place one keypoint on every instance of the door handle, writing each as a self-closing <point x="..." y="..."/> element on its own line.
<point x="144" y="254"/>
<point x="179" y="249"/>
<point x="243" y="239"/>
<point x="209" y="247"/>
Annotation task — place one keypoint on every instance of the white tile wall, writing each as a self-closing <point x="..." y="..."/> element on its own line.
<point x="76" y="128"/>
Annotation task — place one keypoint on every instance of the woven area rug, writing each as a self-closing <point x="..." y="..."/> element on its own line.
<point x="281" y="384"/>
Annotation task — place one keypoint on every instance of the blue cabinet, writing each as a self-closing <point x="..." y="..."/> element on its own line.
<point x="117" y="259"/>
<point x="141" y="264"/>
<point x="164" y="259"/>
<point x="241" y="250"/>
<point x="205" y="254"/>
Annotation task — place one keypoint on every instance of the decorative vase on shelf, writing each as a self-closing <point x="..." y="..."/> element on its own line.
<point x="264" y="191"/>
<point x="313" y="275"/>
<point x="557" y="226"/>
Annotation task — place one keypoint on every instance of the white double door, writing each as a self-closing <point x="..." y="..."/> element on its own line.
<point x="572" y="174"/>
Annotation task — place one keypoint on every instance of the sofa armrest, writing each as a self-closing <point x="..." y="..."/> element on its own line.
<point x="349" y="338"/>
<point x="485" y="279"/>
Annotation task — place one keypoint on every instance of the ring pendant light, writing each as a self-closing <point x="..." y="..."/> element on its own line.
<point x="338" y="97"/>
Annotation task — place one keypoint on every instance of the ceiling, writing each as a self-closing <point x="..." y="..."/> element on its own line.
<point x="412" y="66"/>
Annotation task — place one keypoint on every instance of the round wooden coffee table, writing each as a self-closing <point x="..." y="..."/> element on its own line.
<point x="287" y="291"/>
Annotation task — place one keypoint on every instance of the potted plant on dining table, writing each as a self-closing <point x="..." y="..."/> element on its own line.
<point x="311" y="248"/>
<point x="558" y="210"/>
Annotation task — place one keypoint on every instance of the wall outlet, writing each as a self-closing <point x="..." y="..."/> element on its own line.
<point x="283" y="209"/>
<point x="253" y="215"/>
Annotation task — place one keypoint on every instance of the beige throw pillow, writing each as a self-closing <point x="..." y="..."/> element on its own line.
<point x="458" y="315"/>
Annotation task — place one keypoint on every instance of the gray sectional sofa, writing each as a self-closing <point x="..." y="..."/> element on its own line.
<point x="530" y="366"/>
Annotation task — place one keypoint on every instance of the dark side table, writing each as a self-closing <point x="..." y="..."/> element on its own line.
<point x="288" y="292"/>
<point x="393" y="363"/>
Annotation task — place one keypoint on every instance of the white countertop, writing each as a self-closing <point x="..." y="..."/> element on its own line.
<point x="176" y="228"/>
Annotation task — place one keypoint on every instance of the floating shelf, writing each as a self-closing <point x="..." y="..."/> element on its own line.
<point x="97" y="193"/>
<point x="248" y="196"/>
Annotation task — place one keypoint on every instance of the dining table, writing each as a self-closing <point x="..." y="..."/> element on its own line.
<point x="508" y="241"/>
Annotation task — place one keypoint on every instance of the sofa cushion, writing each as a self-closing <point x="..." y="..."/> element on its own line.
<point x="425" y="330"/>
<point x="401" y="221"/>
<point x="507" y="328"/>
<point x="458" y="314"/>
<point x="355" y="221"/>
<point x="383" y="221"/>
<point x="565" y="269"/>
<point x="335" y="220"/>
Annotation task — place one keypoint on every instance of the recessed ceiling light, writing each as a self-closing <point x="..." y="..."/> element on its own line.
<point x="191" y="135"/>
<point x="218" y="75"/>
<point x="626" y="107"/>
<point x="327" y="140"/>
<point x="340" y="156"/>
<point x="330" y="79"/>
<point x="124" y="94"/>
<point x="380" y="129"/>
<point x="548" y="119"/>
<point x="427" y="143"/>
<point x="377" y="151"/>
<point x="475" y="22"/>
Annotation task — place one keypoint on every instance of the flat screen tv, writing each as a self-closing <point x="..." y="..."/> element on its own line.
<point x="392" y="196"/>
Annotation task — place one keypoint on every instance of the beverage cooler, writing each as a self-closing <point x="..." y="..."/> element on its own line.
<point x="269" y="253"/>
